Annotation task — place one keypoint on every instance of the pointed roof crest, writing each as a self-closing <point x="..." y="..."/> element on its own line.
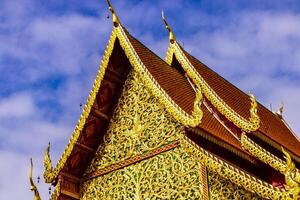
<point x="171" y="34"/>
<point x="115" y="18"/>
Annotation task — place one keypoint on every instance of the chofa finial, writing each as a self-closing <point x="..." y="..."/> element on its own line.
<point x="279" y="113"/>
<point x="32" y="185"/>
<point x="171" y="34"/>
<point x="115" y="18"/>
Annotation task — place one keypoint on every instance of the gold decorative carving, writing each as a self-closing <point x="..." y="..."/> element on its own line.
<point x="139" y="125"/>
<point x="32" y="185"/>
<point x="249" y="125"/>
<point x="233" y="174"/>
<point x="56" y="192"/>
<point x="177" y="112"/>
<point x="130" y="161"/>
<point x="169" y="175"/>
<point x="268" y="158"/>
<point x="292" y="176"/>
<point x="221" y="188"/>
<point x="262" y="154"/>
<point x="181" y="116"/>
<point x="51" y="173"/>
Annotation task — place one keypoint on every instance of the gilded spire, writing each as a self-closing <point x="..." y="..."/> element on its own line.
<point x="171" y="34"/>
<point x="115" y="18"/>
<point x="32" y="185"/>
<point x="48" y="165"/>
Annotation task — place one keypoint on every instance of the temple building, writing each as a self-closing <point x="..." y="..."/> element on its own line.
<point x="172" y="129"/>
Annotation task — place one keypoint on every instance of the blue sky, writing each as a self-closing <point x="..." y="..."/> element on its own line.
<point x="50" y="52"/>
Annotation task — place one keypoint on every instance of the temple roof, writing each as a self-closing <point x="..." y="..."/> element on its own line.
<point x="179" y="89"/>
<point x="271" y="125"/>
<point x="182" y="98"/>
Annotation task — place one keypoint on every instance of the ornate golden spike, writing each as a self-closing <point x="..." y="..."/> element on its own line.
<point x="115" y="18"/>
<point x="47" y="164"/>
<point x="291" y="176"/>
<point x="32" y="185"/>
<point x="171" y="34"/>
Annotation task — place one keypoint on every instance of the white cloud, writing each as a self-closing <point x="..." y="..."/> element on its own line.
<point x="17" y="105"/>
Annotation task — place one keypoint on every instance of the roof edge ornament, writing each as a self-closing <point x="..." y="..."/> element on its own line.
<point x="48" y="173"/>
<point x="280" y="111"/>
<point x="32" y="185"/>
<point x="171" y="34"/>
<point x="115" y="18"/>
<point x="248" y="125"/>
<point x="292" y="178"/>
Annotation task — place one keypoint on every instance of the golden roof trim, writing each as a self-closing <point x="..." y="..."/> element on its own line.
<point x="177" y="112"/>
<point x="265" y="156"/>
<point x="225" y="145"/>
<point x="274" y="144"/>
<point x="234" y="174"/>
<point x="55" y="194"/>
<point x="250" y="125"/>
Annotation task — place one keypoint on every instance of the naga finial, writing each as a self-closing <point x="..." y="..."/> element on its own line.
<point x="32" y="185"/>
<point x="254" y="118"/>
<point x="290" y="175"/>
<point x="115" y="18"/>
<point x="171" y="34"/>
<point x="279" y="113"/>
<point x="47" y="164"/>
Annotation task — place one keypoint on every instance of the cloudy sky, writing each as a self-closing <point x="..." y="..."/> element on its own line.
<point x="50" y="52"/>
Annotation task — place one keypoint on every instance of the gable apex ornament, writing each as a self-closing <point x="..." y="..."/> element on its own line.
<point x="115" y="18"/>
<point x="171" y="34"/>
<point x="32" y="185"/>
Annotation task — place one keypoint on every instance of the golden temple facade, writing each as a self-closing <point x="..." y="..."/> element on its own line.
<point x="173" y="129"/>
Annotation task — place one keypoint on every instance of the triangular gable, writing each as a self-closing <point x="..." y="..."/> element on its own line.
<point x="188" y="115"/>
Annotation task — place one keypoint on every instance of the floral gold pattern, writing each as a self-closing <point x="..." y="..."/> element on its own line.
<point x="130" y="161"/>
<point x="233" y="174"/>
<point x="139" y="125"/>
<point x="169" y="175"/>
<point x="221" y="188"/>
